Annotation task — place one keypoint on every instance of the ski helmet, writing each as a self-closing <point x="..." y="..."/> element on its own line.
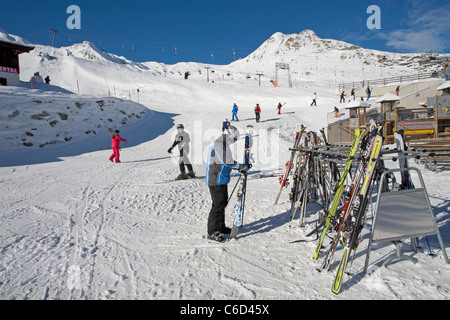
<point x="180" y="126"/>
<point x="232" y="134"/>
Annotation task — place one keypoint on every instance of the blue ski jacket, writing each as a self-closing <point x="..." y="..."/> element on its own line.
<point x="220" y="163"/>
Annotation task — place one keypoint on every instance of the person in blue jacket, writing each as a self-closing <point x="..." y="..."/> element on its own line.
<point x="219" y="165"/>
<point x="235" y="111"/>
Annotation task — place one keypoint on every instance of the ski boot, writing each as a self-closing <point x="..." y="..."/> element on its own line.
<point x="182" y="176"/>
<point x="217" y="236"/>
<point x="191" y="174"/>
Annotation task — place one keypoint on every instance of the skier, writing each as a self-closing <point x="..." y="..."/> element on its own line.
<point x="47" y="80"/>
<point x="182" y="140"/>
<point x="219" y="165"/>
<point x="279" y="107"/>
<point x="352" y="94"/>
<point x="336" y="112"/>
<point x="342" y="97"/>
<point x="314" y="100"/>
<point x="225" y="125"/>
<point x="257" y="112"/>
<point x="116" y="146"/>
<point x="368" y="91"/>
<point x="397" y="90"/>
<point x="235" y="111"/>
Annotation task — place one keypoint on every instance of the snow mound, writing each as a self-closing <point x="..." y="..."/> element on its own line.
<point x="34" y="119"/>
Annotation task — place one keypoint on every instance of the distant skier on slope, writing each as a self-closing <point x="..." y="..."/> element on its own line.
<point x="116" y="146"/>
<point x="182" y="140"/>
<point x="314" y="100"/>
<point x="225" y="125"/>
<point x="279" y="107"/>
<point x="219" y="165"/>
<point x="257" y="112"/>
<point x="342" y="97"/>
<point x="368" y="91"/>
<point x="235" y="111"/>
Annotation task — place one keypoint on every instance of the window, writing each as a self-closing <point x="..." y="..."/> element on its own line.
<point x="9" y="58"/>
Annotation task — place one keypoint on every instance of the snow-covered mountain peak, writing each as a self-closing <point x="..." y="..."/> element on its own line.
<point x="89" y="51"/>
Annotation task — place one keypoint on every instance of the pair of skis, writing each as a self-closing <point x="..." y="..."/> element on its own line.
<point x="242" y="189"/>
<point x="359" y="211"/>
<point x="302" y="184"/>
<point x="290" y="164"/>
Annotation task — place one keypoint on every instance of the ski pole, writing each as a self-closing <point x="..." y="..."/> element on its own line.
<point x="229" y="198"/>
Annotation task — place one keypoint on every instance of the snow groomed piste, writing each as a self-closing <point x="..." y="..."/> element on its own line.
<point x="345" y="195"/>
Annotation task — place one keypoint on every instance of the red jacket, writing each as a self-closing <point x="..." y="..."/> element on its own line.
<point x="116" y="141"/>
<point x="257" y="109"/>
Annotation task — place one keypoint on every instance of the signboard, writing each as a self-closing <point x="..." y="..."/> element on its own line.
<point x="354" y="122"/>
<point x="9" y="70"/>
<point x="444" y="112"/>
<point x="416" y="125"/>
<point x="390" y="116"/>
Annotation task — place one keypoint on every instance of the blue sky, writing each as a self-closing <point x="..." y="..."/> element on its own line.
<point x="151" y="30"/>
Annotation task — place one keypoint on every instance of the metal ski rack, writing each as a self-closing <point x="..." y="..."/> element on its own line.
<point x="401" y="215"/>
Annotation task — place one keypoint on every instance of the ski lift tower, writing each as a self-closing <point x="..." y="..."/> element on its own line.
<point x="282" y="66"/>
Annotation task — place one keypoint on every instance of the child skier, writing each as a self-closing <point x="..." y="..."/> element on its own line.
<point x="235" y="111"/>
<point x="116" y="146"/>
<point x="182" y="140"/>
<point x="257" y="112"/>
<point x="220" y="163"/>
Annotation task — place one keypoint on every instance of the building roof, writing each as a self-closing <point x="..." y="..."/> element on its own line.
<point x="15" y="41"/>
<point x="357" y="104"/>
<point x="445" y="85"/>
<point x="388" y="97"/>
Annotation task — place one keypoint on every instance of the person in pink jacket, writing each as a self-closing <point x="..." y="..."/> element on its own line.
<point x="116" y="146"/>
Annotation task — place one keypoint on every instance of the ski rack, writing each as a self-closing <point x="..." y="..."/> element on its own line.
<point x="394" y="222"/>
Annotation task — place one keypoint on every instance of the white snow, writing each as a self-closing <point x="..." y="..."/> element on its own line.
<point x="75" y="226"/>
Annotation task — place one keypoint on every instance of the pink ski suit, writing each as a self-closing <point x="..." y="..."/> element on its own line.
<point x="115" y="146"/>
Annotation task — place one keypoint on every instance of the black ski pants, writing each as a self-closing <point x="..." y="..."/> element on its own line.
<point x="216" y="219"/>
<point x="184" y="161"/>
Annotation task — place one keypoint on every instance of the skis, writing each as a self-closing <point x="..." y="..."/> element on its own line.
<point x="351" y="194"/>
<point x="241" y="192"/>
<point x="358" y="218"/>
<point x="174" y="180"/>
<point x="290" y="163"/>
<point x="338" y="194"/>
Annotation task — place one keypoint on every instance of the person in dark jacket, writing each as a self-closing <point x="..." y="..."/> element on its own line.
<point x="182" y="140"/>
<point x="219" y="165"/>
<point x="257" y="112"/>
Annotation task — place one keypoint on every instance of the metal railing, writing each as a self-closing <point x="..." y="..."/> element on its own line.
<point x="386" y="81"/>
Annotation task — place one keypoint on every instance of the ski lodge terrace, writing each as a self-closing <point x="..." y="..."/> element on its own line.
<point x="421" y="109"/>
